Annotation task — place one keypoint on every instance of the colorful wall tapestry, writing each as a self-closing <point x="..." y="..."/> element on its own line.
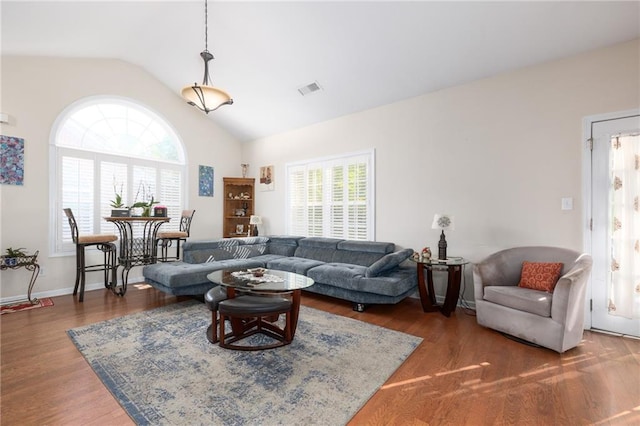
<point x="205" y="181"/>
<point x="11" y="160"/>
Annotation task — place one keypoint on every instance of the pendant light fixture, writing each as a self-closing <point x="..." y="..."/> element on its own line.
<point x="205" y="97"/>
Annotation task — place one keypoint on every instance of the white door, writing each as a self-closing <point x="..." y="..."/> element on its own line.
<point x="604" y="315"/>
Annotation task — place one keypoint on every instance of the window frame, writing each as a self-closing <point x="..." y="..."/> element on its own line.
<point x="57" y="220"/>
<point x="326" y="164"/>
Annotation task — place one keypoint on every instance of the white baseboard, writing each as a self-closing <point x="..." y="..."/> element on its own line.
<point x="61" y="291"/>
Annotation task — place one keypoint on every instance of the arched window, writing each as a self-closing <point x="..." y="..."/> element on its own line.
<point x="109" y="147"/>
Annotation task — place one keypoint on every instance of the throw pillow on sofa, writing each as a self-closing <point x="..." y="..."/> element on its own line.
<point x="387" y="262"/>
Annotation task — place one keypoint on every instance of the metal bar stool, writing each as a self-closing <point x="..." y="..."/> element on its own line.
<point x="166" y="239"/>
<point x="250" y="315"/>
<point x="104" y="243"/>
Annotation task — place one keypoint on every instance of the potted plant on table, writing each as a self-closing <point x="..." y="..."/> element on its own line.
<point x="117" y="204"/>
<point x="11" y="258"/>
<point x="146" y="206"/>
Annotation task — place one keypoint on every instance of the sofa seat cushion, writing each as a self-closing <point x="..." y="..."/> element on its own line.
<point x="299" y="265"/>
<point x="266" y="258"/>
<point x="522" y="299"/>
<point x="182" y="274"/>
<point x="336" y="273"/>
<point x="352" y="278"/>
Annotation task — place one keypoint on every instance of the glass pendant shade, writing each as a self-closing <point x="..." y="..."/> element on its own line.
<point x="206" y="98"/>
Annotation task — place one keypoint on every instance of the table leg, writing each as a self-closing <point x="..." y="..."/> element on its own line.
<point x="425" y="288"/>
<point x="453" y="290"/>
<point x="295" y="311"/>
<point x="34" y="275"/>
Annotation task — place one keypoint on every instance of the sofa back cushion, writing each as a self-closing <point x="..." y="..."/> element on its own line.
<point x="249" y="247"/>
<point x="363" y="253"/>
<point x="283" y="245"/>
<point x="206" y="251"/>
<point x="317" y="248"/>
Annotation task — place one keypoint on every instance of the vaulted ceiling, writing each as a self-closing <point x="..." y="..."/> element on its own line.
<point x="361" y="54"/>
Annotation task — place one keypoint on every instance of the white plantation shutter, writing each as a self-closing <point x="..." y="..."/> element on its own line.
<point x="297" y="204"/>
<point x="106" y="145"/>
<point x="113" y="177"/>
<point x="144" y="184"/>
<point x="336" y="206"/>
<point x="357" y="187"/>
<point x="77" y="181"/>
<point x="314" y="203"/>
<point x="332" y="197"/>
<point x="170" y="196"/>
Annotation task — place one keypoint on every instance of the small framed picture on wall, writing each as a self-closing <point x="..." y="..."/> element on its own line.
<point x="267" y="178"/>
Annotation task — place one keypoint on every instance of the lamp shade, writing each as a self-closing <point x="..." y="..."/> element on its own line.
<point x="443" y="221"/>
<point x="255" y="220"/>
<point x="206" y="98"/>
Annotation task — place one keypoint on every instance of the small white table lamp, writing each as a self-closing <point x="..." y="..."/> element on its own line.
<point x="442" y="221"/>
<point x="254" y="221"/>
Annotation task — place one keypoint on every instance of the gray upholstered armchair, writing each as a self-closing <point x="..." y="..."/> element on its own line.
<point x="553" y="320"/>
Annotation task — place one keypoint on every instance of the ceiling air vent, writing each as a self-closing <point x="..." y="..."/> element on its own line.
<point x="309" y="88"/>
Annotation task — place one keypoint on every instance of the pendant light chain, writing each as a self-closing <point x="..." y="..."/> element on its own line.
<point x="206" y="26"/>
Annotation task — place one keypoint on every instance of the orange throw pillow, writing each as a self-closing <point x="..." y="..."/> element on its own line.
<point x="540" y="276"/>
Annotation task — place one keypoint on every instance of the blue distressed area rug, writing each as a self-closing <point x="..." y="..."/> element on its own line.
<point x="161" y="368"/>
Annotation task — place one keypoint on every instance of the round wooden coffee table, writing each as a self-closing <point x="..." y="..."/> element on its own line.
<point x="286" y="283"/>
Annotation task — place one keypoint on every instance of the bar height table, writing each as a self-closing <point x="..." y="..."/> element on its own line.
<point x="137" y="248"/>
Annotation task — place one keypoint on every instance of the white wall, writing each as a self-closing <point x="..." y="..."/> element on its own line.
<point x="497" y="153"/>
<point x="34" y="92"/>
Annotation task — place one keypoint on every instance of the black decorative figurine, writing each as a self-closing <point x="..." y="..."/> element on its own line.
<point x="442" y="247"/>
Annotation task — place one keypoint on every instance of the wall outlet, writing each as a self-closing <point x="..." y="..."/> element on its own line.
<point x="567" y="203"/>
<point x="43" y="271"/>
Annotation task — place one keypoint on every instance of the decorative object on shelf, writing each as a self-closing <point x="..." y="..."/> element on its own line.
<point x="205" y="181"/>
<point x="442" y="221"/>
<point x="205" y="97"/>
<point x="266" y="178"/>
<point x="160" y="211"/>
<point x="241" y="212"/>
<point x="245" y="168"/>
<point x="239" y="229"/>
<point x="12" y="164"/>
<point x="254" y="221"/>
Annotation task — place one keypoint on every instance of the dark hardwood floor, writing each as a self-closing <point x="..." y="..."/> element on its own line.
<point x="461" y="374"/>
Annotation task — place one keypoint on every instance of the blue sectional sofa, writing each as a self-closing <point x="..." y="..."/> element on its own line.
<point x="362" y="272"/>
